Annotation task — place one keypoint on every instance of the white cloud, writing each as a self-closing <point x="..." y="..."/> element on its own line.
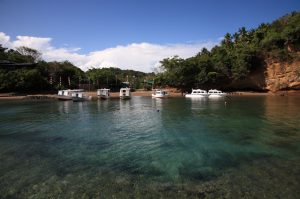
<point x="62" y="54"/>
<point x="137" y="56"/>
<point x="39" y="43"/>
<point x="142" y="56"/>
<point x="4" y="39"/>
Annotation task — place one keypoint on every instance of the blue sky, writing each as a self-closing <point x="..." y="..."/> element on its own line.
<point x="86" y="28"/>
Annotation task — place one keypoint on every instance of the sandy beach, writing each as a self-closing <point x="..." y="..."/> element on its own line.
<point x="172" y="93"/>
<point x="13" y="96"/>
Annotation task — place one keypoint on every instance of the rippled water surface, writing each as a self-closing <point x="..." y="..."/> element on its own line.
<point x="149" y="148"/>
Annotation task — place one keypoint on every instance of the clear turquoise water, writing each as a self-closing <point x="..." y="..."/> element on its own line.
<point x="149" y="148"/>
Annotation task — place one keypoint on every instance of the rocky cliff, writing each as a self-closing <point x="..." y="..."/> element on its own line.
<point x="282" y="75"/>
<point x="271" y="76"/>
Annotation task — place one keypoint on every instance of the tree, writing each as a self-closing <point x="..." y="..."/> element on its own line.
<point x="32" y="55"/>
<point x="113" y="77"/>
<point x="171" y="67"/>
<point x="3" y="54"/>
<point x="227" y="41"/>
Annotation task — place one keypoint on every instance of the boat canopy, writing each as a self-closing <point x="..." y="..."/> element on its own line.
<point x="214" y="91"/>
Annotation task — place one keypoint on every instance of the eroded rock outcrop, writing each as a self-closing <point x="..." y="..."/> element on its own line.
<point x="282" y="75"/>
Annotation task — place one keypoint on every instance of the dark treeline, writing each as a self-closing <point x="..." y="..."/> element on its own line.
<point x="237" y="56"/>
<point x="23" y="70"/>
<point x="114" y="78"/>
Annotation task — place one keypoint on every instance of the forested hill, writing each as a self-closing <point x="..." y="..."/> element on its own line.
<point x="265" y="58"/>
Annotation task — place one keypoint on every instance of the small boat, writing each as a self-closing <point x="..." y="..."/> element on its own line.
<point x="197" y="93"/>
<point x="79" y="96"/>
<point x="125" y="93"/>
<point x="66" y="94"/>
<point x="103" y="93"/>
<point x="213" y="93"/>
<point x="160" y="94"/>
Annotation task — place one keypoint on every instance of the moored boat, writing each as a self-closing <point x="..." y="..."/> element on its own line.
<point x="197" y="93"/>
<point x="125" y="93"/>
<point x="66" y="94"/>
<point x="160" y="94"/>
<point x="103" y="93"/>
<point x="79" y="96"/>
<point x="214" y="93"/>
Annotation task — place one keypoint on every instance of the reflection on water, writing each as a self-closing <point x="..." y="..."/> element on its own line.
<point x="198" y="103"/>
<point x="144" y="147"/>
<point x="284" y="134"/>
<point x="64" y="106"/>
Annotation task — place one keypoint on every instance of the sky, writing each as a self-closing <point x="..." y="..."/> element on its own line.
<point x="129" y="34"/>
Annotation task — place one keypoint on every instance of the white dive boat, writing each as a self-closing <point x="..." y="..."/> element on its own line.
<point x="125" y="93"/>
<point x="197" y="93"/>
<point x="66" y="94"/>
<point x="213" y="93"/>
<point x="160" y="94"/>
<point x="79" y="96"/>
<point x="103" y="93"/>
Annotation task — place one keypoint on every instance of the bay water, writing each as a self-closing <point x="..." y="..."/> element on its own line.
<point x="232" y="147"/>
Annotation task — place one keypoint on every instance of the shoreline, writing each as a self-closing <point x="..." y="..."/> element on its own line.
<point x="10" y="96"/>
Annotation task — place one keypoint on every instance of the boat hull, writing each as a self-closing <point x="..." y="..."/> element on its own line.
<point x="103" y="97"/>
<point x="77" y="99"/>
<point x="125" y="97"/>
<point x="81" y="99"/>
<point x="216" y="95"/>
<point x="160" y="96"/>
<point x="64" y="98"/>
<point x="196" y="96"/>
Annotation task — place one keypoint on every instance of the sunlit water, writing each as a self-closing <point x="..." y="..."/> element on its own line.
<point x="149" y="148"/>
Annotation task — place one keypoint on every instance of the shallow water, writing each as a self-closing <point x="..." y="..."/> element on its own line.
<point x="143" y="147"/>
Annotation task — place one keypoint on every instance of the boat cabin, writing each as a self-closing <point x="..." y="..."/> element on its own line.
<point x="67" y="94"/>
<point x="198" y="91"/>
<point x="214" y="91"/>
<point x="125" y="93"/>
<point x="79" y="96"/>
<point x="160" y="94"/>
<point x="103" y="93"/>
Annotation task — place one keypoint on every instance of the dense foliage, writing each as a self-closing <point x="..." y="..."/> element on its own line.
<point x="24" y="70"/>
<point x="114" y="78"/>
<point x="237" y="56"/>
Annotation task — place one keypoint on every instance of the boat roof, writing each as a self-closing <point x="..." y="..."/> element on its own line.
<point x="215" y="90"/>
<point x="74" y="90"/>
<point x="103" y="89"/>
<point x="160" y="91"/>
<point x="77" y="91"/>
<point x="198" y="89"/>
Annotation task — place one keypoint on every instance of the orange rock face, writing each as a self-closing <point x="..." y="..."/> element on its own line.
<point x="282" y="76"/>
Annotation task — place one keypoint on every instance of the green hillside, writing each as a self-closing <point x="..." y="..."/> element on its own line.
<point x="237" y="56"/>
